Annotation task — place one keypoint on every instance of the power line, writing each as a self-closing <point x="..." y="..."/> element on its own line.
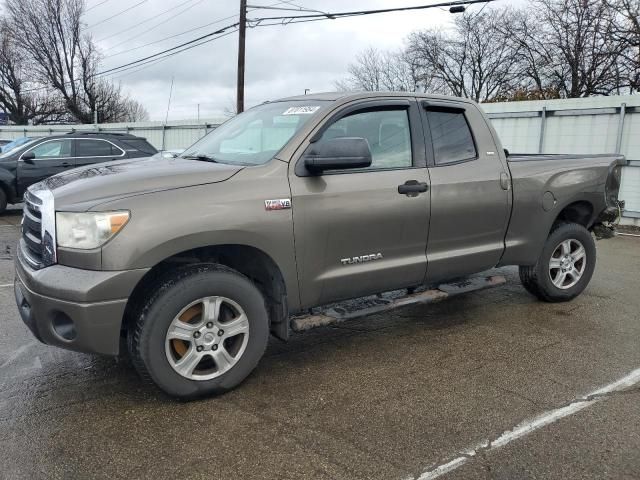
<point x="150" y="63"/>
<point x="220" y="20"/>
<point x="157" y="24"/>
<point x="168" y="38"/>
<point x="261" y="22"/>
<point x="287" y="19"/>
<point x="96" y="5"/>
<point x="297" y="19"/>
<point x="117" y="14"/>
<point x="172" y="51"/>
<point x="144" y="21"/>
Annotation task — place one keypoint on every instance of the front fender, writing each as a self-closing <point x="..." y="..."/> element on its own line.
<point x="164" y="224"/>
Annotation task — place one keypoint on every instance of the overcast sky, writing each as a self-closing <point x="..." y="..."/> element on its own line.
<point x="281" y="60"/>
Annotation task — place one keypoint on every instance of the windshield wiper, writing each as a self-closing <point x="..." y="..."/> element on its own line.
<point x="201" y="156"/>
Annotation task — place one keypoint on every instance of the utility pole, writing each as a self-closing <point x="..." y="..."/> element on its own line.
<point x="242" y="28"/>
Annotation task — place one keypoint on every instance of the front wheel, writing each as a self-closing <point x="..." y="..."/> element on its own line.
<point x="202" y="333"/>
<point x="565" y="266"/>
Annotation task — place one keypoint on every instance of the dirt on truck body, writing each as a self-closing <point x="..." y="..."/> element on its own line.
<point x="192" y="262"/>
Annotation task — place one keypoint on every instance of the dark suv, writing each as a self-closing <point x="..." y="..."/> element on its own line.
<point x="46" y="156"/>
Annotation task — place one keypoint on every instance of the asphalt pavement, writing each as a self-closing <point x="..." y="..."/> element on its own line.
<point x="392" y="396"/>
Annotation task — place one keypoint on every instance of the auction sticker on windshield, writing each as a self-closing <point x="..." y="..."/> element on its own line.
<point x="306" y="110"/>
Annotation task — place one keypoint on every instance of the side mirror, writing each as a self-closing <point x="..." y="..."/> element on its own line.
<point x="338" y="154"/>
<point x="28" y="157"/>
<point x="506" y="153"/>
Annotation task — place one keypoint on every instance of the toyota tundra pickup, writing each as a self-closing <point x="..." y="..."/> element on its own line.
<point x="190" y="263"/>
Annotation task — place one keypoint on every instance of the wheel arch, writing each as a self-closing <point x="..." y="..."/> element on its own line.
<point x="580" y="212"/>
<point x="250" y="261"/>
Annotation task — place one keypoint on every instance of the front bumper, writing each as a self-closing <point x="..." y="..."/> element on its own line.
<point x="75" y="309"/>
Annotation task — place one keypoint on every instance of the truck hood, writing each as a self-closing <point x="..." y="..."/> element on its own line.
<point x="85" y="187"/>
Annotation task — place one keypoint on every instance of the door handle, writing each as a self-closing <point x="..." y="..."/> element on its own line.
<point x="67" y="164"/>
<point x="412" y="188"/>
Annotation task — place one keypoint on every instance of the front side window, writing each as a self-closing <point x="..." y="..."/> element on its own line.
<point x="96" y="148"/>
<point x="255" y="136"/>
<point x="451" y="137"/>
<point x="53" y="149"/>
<point x="386" y="131"/>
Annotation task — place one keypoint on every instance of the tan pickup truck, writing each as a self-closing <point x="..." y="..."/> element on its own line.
<point x="193" y="261"/>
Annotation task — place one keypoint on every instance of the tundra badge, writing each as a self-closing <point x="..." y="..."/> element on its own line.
<point x="361" y="259"/>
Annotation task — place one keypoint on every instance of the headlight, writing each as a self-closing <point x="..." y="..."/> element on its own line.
<point x="89" y="229"/>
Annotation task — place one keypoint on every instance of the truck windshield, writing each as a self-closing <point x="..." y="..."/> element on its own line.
<point x="255" y="136"/>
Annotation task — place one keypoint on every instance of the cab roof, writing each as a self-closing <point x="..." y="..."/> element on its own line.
<point x="344" y="96"/>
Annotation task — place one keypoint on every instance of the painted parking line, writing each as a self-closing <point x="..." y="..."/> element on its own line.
<point x="6" y="285"/>
<point x="529" y="426"/>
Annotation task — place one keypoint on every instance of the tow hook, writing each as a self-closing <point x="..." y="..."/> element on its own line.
<point x="607" y="221"/>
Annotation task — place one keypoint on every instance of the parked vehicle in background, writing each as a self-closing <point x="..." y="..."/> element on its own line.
<point x="289" y="206"/>
<point x="11" y="144"/>
<point x="39" y="158"/>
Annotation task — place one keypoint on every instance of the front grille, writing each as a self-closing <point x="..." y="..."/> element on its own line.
<point x="32" y="230"/>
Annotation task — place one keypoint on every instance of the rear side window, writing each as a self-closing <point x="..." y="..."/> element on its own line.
<point x="96" y="148"/>
<point x="139" y="144"/>
<point x="451" y="137"/>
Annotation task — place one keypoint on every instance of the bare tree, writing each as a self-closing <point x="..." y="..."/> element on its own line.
<point x="24" y="101"/>
<point x="626" y="30"/>
<point x="133" y="111"/>
<point x="374" y="70"/>
<point x="473" y="61"/>
<point x="567" y="47"/>
<point x="66" y="59"/>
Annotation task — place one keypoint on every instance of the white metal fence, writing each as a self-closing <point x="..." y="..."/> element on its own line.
<point x="172" y="135"/>
<point x="583" y="125"/>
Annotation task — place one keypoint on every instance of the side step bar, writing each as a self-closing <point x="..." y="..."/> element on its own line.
<point x="362" y="307"/>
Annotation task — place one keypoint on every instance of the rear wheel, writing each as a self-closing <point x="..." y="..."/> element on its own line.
<point x="565" y="266"/>
<point x="202" y="333"/>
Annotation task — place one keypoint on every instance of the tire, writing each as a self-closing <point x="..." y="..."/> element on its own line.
<point x="569" y="274"/>
<point x="157" y="338"/>
<point x="3" y="201"/>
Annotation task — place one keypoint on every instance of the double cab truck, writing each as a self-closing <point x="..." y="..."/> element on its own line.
<point x="190" y="263"/>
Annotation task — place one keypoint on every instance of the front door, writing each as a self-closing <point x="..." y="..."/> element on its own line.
<point x="355" y="232"/>
<point x="51" y="157"/>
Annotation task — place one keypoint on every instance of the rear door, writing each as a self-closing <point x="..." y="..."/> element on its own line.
<point x="469" y="192"/>
<point x="355" y="233"/>
<point x="51" y="157"/>
<point x="96" y="150"/>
